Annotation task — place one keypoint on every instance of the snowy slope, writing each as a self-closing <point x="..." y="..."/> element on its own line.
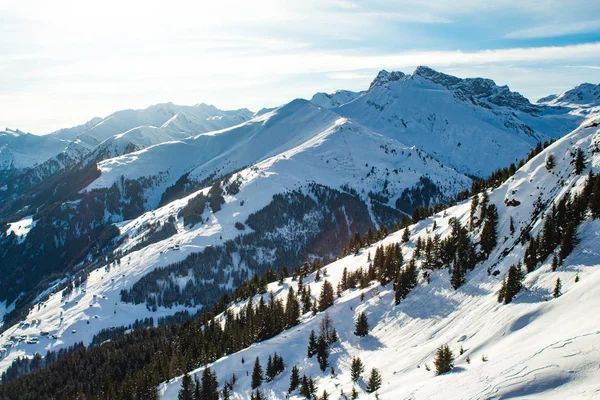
<point x="340" y="97"/>
<point x="191" y="119"/>
<point x="536" y="347"/>
<point x="583" y="99"/>
<point x="19" y="150"/>
<point x="328" y="157"/>
<point x="472" y="125"/>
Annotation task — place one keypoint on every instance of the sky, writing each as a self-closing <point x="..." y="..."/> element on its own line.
<point x="65" y="62"/>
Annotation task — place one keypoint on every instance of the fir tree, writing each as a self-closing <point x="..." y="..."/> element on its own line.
<point x="362" y="325"/>
<point x="294" y="379"/>
<point x="270" y="371"/>
<point x="511" y="285"/>
<point x="312" y="344"/>
<point x="554" y="262"/>
<point x="325" y="396"/>
<point x="374" y="381"/>
<point x="187" y="388"/>
<point x="444" y="360"/>
<point x="511" y="226"/>
<point x="406" y="235"/>
<point x="327" y="296"/>
<point x="488" y="233"/>
<point x="354" y="394"/>
<point x="579" y="162"/>
<point x="292" y="309"/>
<point x="210" y="385"/>
<point x="305" y="387"/>
<point x="550" y="162"/>
<point x="322" y="354"/>
<point x="257" y="374"/>
<point x="356" y="369"/>
<point x="257" y="395"/>
<point x="557" y="289"/>
<point x="569" y="240"/>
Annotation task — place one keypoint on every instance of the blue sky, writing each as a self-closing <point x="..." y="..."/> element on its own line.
<point x="64" y="62"/>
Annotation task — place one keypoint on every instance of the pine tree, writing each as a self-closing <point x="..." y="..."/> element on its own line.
<point x="294" y="379"/>
<point x="488" y="233"/>
<point x="550" y="162"/>
<point x="325" y="396"/>
<point x="362" y="325"/>
<point x="322" y="354"/>
<point x="406" y="235"/>
<point x="557" y="289"/>
<point x="594" y="196"/>
<point x="444" y="360"/>
<point x="474" y="204"/>
<point x="210" y="385"/>
<point x="511" y="226"/>
<point x="292" y="309"/>
<point x="569" y="240"/>
<point x="312" y="344"/>
<point x="579" y="162"/>
<point x="327" y="296"/>
<point x="354" y="394"/>
<point x="554" y="262"/>
<point x="257" y="395"/>
<point x="305" y="387"/>
<point x="257" y="374"/>
<point x="197" y="388"/>
<point x="511" y="285"/>
<point x="270" y="371"/>
<point x="356" y="369"/>
<point x="187" y="388"/>
<point x="374" y="381"/>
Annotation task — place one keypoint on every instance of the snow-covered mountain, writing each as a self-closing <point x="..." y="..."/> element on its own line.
<point x="584" y="99"/>
<point x="20" y="150"/>
<point x="472" y="125"/>
<point x="188" y="202"/>
<point x="336" y="99"/>
<point x="537" y="346"/>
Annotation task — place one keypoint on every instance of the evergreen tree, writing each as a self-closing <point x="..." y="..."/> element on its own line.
<point x="362" y="325"/>
<point x="325" y="396"/>
<point x="554" y="262"/>
<point x="594" y="181"/>
<point x="354" y="394"/>
<point x="327" y="330"/>
<point x="270" y="371"/>
<point x="327" y="296"/>
<point x="579" y="162"/>
<point x="474" y="204"/>
<point x="511" y="285"/>
<point x="210" y="385"/>
<point x="197" y="388"/>
<point x="374" y="381"/>
<point x="305" y="387"/>
<point x="356" y="369"/>
<point x="294" y="379"/>
<point x="187" y="388"/>
<point x="312" y="344"/>
<point x="257" y="374"/>
<point x="557" y="289"/>
<point x="488" y="233"/>
<point x="257" y="395"/>
<point x="511" y="226"/>
<point x="322" y="354"/>
<point x="292" y="309"/>
<point x="406" y="235"/>
<point x="569" y="240"/>
<point x="550" y="162"/>
<point x="444" y="360"/>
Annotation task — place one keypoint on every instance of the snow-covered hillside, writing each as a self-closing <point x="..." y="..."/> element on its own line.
<point x="584" y="99"/>
<point x="537" y="346"/>
<point x="416" y="138"/>
<point x="19" y="150"/>
<point x="472" y="125"/>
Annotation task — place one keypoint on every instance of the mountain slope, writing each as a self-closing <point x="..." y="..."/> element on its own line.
<point x="535" y="347"/>
<point x="470" y="124"/>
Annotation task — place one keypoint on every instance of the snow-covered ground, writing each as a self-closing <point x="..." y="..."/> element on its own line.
<point x="535" y="347"/>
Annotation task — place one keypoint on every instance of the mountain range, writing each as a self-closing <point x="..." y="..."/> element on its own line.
<point x="167" y="209"/>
